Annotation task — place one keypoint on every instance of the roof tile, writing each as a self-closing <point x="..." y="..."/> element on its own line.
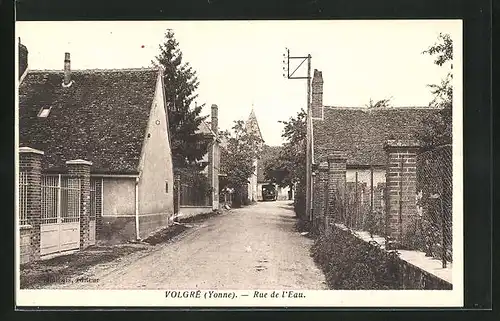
<point x="102" y="117"/>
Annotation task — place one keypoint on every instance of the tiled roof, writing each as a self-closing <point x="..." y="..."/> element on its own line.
<point x="268" y="152"/>
<point x="102" y="117"/>
<point x="361" y="132"/>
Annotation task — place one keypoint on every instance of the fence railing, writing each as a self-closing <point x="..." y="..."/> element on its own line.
<point x="361" y="204"/>
<point x="433" y="223"/>
<point x="23" y="198"/>
<point x="60" y="199"/>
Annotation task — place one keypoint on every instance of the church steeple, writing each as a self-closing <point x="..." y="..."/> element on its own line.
<point x="252" y="125"/>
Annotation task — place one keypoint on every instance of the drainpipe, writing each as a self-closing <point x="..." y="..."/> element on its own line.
<point x="137" y="208"/>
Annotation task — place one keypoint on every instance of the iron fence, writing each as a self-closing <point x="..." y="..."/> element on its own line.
<point x="60" y="199"/>
<point x="361" y="205"/>
<point x="433" y="223"/>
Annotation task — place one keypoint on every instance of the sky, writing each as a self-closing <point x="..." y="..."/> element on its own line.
<point x="240" y="63"/>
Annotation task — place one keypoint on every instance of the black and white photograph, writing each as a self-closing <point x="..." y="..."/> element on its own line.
<point x="313" y="163"/>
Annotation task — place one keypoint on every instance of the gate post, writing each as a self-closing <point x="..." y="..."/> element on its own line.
<point x="336" y="185"/>
<point x="321" y="198"/>
<point x="80" y="168"/>
<point x="401" y="177"/>
<point x="30" y="162"/>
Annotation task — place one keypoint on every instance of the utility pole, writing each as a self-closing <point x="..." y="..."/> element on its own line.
<point x="288" y="75"/>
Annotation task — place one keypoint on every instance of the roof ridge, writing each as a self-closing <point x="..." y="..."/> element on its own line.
<point x="97" y="70"/>
<point x="380" y="108"/>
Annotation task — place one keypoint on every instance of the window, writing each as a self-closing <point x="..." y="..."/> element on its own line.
<point x="44" y="112"/>
<point x="166" y="187"/>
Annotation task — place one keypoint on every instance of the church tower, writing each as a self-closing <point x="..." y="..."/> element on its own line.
<point x="252" y="126"/>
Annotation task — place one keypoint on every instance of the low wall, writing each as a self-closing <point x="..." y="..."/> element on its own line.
<point x="350" y="262"/>
<point x="411" y="277"/>
<point x="25" y="244"/>
<point x="190" y="211"/>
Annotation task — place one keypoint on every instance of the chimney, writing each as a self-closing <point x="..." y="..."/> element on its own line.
<point x="215" y="119"/>
<point x="23" y="58"/>
<point x="317" y="95"/>
<point x="67" y="70"/>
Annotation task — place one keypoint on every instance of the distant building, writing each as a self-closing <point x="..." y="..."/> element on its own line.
<point x="269" y="153"/>
<point x="252" y="126"/>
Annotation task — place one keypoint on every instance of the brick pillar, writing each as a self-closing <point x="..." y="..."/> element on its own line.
<point x="336" y="186"/>
<point x="401" y="180"/>
<point x="30" y="162"/>
<point x="322" y="192"/>
<point x="79" y="168"/>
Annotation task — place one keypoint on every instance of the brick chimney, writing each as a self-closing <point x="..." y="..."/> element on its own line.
<point x="67" y="70"/>
<point x="23" y="58"/>
<point x="215" y="119"/>
<point x="317" y="95"/>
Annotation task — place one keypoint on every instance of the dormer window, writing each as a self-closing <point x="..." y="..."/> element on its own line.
<point x="44" y="112"/>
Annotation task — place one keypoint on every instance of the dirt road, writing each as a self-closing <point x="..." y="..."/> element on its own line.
<point x="255" y="247"/>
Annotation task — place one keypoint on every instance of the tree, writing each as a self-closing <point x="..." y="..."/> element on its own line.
<point x="381" y="103"/>
<point x="181" y="83"/>
<point x="238" y="152"/>
<point x="288" y="167"/>
<point x="437" y="129"/>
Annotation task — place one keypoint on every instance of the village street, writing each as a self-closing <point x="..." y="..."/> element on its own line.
<point x="255" y="247"/>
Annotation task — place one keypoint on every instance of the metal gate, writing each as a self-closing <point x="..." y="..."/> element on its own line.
<point x="93" y="211"/>
<point x="60" y="221"/>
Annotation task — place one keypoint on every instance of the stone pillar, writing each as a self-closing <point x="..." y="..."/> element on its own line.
<point x="401" y="178"/>
<point x="80" y="168"/>
<point x="336" y="186"/>
<point x="30" y="162"/>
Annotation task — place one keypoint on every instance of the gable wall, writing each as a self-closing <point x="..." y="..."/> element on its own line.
<point x="156" y="182"/>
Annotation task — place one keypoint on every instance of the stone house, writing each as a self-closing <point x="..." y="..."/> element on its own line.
<point x="95" y="145"/>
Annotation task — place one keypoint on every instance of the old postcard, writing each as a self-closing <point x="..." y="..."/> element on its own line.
<point x="239" y="163"/>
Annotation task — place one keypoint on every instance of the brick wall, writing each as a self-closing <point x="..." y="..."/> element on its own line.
<point x="30" y="162"/>
<point x="81" y="169"/>
<point x="401" y="185"/>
